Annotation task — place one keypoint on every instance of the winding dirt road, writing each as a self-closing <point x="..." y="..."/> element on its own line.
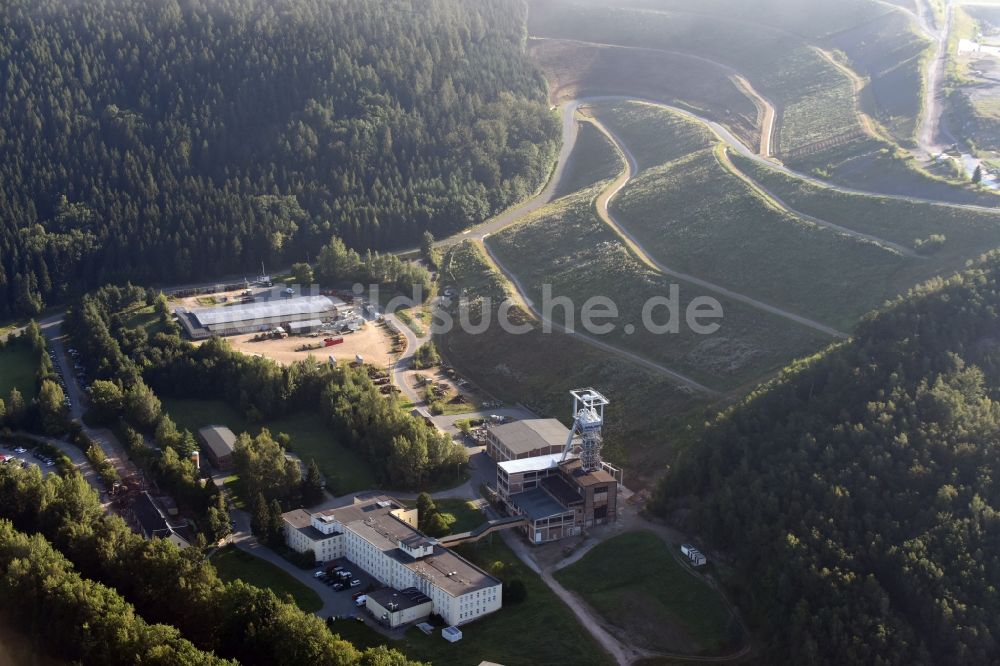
<point x="616" y="186"/>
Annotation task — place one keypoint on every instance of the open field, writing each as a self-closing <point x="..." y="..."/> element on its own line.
<point x="637" y="586"/>
<point x="968" y="232"/>
<point x="539" y="630"/>
<point x="594" y="160"/>
<point x="233" y="564"/>
<point x="18" y="368"/>
<point x="344" y="469"/>
<point x="648" y="417"/>
<point x="566" y="246"/>
<point x="574" y="70"/>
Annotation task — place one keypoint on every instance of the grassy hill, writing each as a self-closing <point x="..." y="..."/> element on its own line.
<point x="566" y="246"/>
<point x="968" y="232"/>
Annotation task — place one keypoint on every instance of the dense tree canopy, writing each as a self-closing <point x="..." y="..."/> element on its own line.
<point x="858" y="493"/>
<point x="178" y="139"/>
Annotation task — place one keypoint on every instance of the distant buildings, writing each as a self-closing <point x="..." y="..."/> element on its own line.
<point x="218" y="443"/>
<point x="380" y="536"/>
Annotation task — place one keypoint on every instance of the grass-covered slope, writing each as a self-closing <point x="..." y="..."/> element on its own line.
<point x="857" y="495"/>
<point x="967" y="232"/>
<point x="567" y="246"/>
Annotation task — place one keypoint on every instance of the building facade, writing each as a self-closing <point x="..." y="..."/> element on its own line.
<point x="380" y="536"/>
<point x="556" y="496"/>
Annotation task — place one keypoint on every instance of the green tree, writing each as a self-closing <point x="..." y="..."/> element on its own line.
<point x="977" y="175"/>
<point x="436" y="525"/>
<point x="142" y="407"/>
<point x="219" y="526"/>
<point x="302" y="273"/>
<point x="16" y="409"/>
<point x="106" y="400"/>
<point x="312" y="485"/>
<point x="514" y="591"/>
<point x="428" y="252"/>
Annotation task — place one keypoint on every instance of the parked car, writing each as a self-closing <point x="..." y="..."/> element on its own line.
<point x="355" y="583"/>
<point x="339" y="586"/>
<point x="319" y="574"/>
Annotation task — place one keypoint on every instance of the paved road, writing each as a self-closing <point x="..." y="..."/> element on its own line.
<point x="764" y="106"/>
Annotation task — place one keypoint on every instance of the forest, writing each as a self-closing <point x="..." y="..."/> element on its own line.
<point x="856" y="496"/>
<point x="181" y="139"/>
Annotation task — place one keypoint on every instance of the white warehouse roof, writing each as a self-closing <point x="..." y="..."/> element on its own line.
<point x="535" y="464"/>
<point x="233" y="314"/>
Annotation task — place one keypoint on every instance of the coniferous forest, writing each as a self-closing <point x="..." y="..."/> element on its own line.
<point x="857" y="496"/>
<point x="178" y="139"/>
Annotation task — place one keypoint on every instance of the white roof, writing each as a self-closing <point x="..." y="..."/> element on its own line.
<point x="537" y="463"/>
<point x="266" y="310"/>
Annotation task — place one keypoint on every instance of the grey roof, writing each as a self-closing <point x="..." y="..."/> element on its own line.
<point x="371" y="519"/>
<point x="219" y="439"/>
<point x="531" y="434"/>
<point x="537" y="504"/>
<point x="301" y="520"/>
<point x="309" y="323"/>
<point x="151" y="521"/>
<point x="403" y="600"/>
<point x="246" y="312"/>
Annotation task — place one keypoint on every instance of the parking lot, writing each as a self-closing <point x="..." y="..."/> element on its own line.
<point x="18" y="455"/>
<point x="344" y="603"/>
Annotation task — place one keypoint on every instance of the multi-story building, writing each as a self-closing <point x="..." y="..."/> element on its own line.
<point x="526" y="439"/>
<point x="380" y="536"/>
<point x="558" y="498"/>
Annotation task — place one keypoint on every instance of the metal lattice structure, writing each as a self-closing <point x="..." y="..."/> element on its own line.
<point x="588" y="418"/>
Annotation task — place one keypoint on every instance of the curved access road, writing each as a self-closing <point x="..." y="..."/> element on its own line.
<point x="765" y="107"/>
<point x="616" y="186"/>
<point x="569" y="132"/>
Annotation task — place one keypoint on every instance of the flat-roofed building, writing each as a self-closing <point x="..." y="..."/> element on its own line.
<point x="380" y="536"/>
<point x="557" y="497"/>
<point x="394" y="608"/>
<point x="526" y="439"/>
<point x="200" y="323"/>
<point x="218" y="443"/>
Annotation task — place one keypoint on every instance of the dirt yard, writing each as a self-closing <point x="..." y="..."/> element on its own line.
<point x="372" y="342"/>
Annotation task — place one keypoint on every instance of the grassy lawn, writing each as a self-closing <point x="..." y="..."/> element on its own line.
<point x="518" y="635"/>
<point x="345" y="470"/>
<point x="654" y="136"/>
<point x="146" y="318"/>
<point x="233" y="564"/>
<point x="461" y="515"/>
<point x="648" y="416"/>
<point x="567" y="246"/>
<point x="638" y="587"/>
<point x="18" y="368"/>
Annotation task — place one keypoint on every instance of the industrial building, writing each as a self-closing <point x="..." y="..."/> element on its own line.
<point x="395" y="608"/>
<point x="526" y="439"/>
<point x="380" y="536"/>
<point x="201" y="323"/>
<point x="218" y="443"/>
<point x="560" y="494"/>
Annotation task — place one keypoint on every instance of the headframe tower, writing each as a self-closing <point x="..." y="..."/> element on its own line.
<point x="588" y="419"/>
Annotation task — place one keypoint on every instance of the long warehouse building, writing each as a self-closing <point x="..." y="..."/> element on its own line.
<point x="201" y="323"/>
